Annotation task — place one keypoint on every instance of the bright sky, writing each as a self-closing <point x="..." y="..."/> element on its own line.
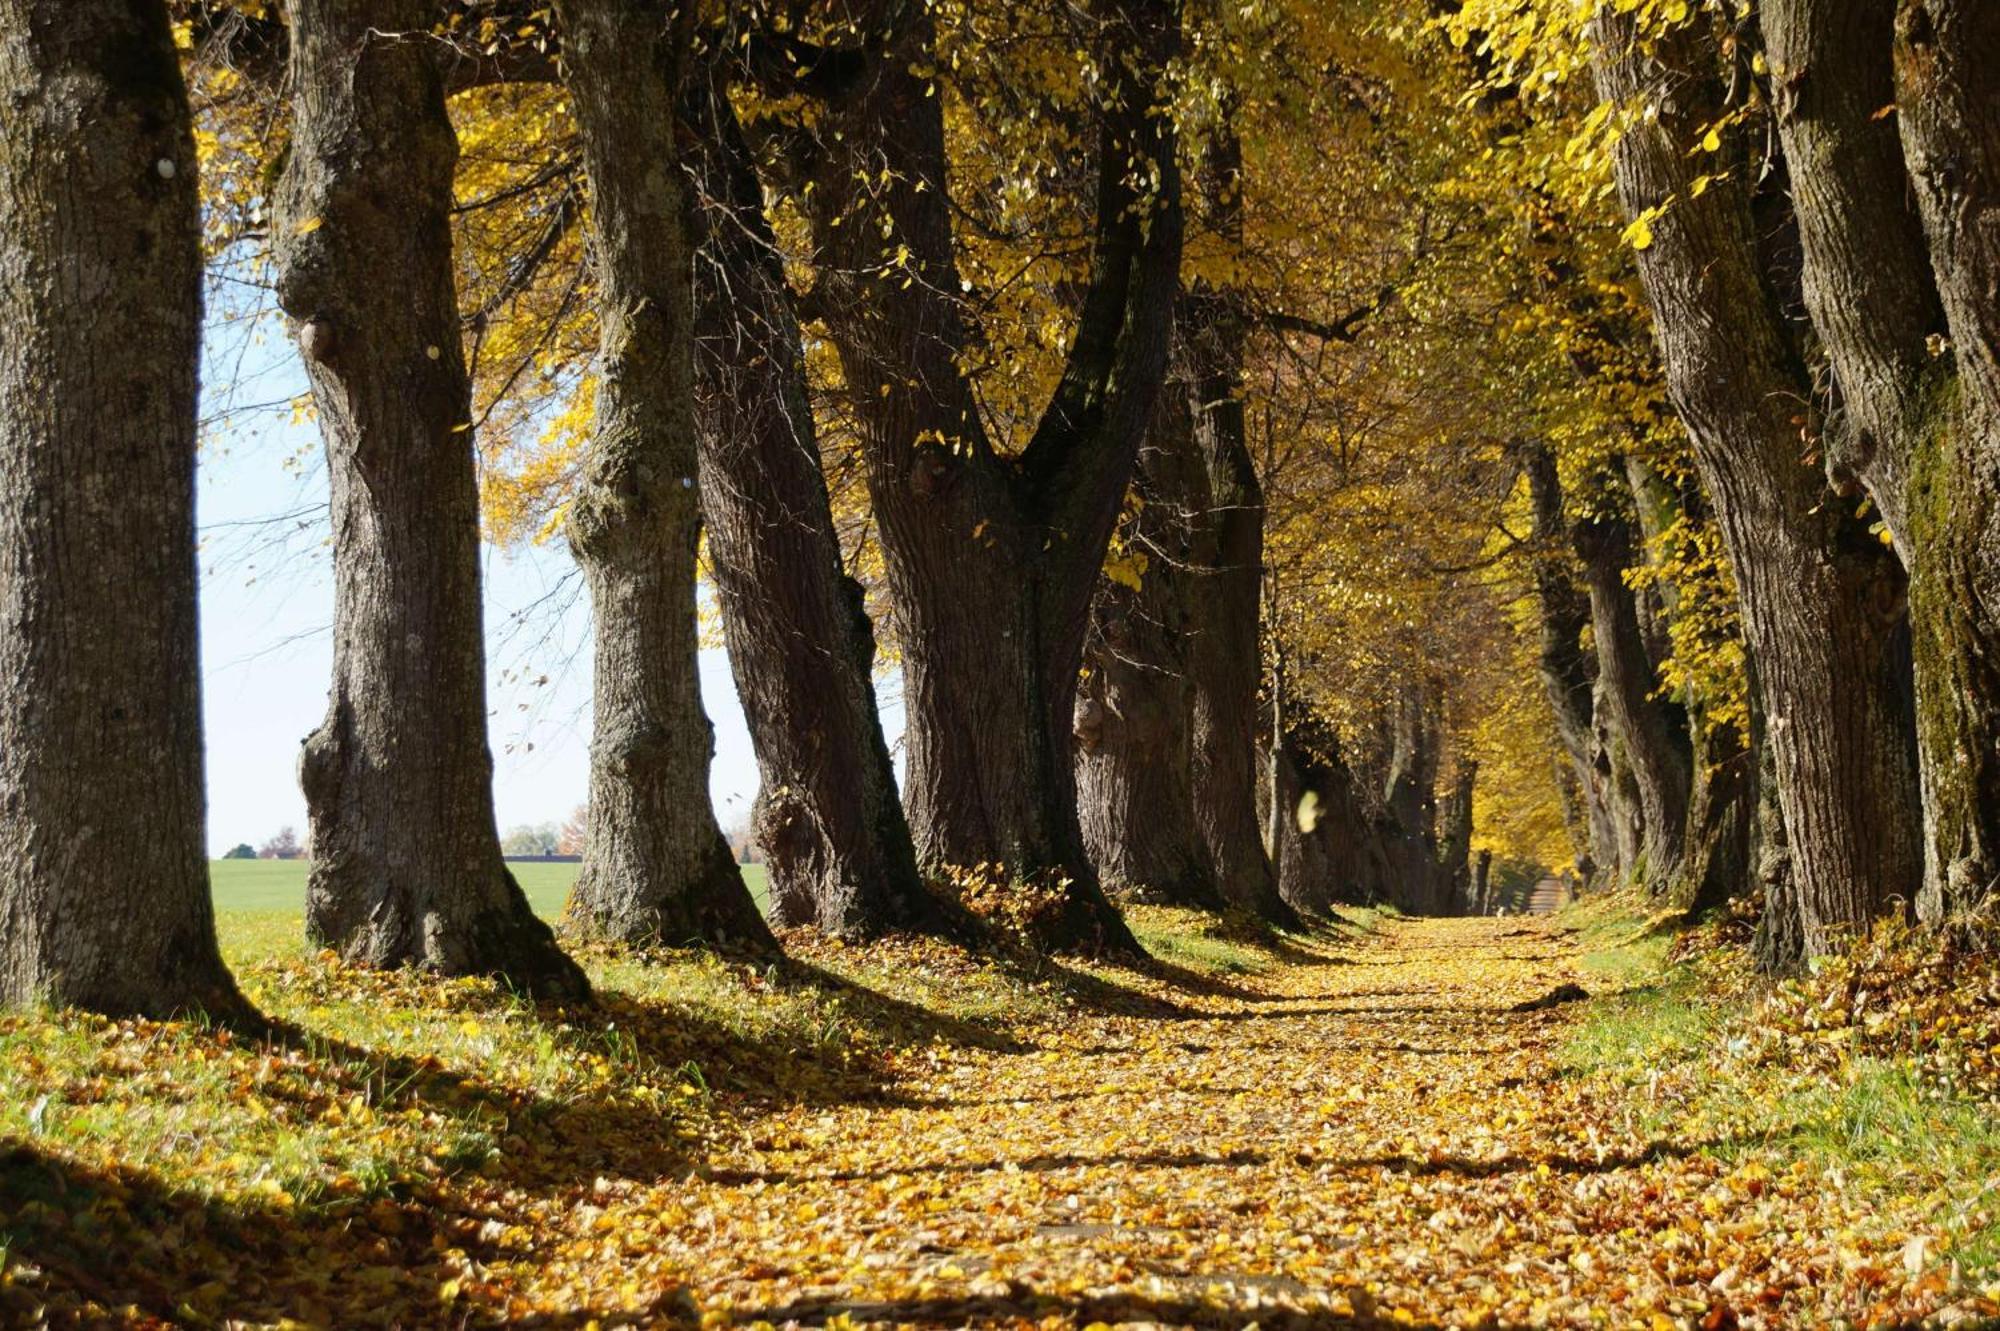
<point x="267" y="610"/>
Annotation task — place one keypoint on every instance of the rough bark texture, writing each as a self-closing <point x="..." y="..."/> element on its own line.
<point x="1947" y="63"/>
<point x="1650" y="735"/>
<point x="1325" y="847"/>
<point x="406" y="860"/>
<point x="1822" y="604"/>
<point x="993" y="559"/>
<point x="1921" y="422"/>
<point x="837" y="848"/>
<point x="104" y="895"/>
<point x="1135" y="778"/>
<point x="656" y="867"/>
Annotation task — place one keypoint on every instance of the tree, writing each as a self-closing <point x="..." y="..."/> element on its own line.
<point x="655" y="865"/>
<point x="398" y="778"/>
<point x="283" y="846"/>
<point x="573" y="836"/>
<point x="242" y="850"/>
<point x="531" y="839"/>
<point x="992" y="555"/>
<point x="1822" y="600"/>
<point x="801" y="646"/>
<point x="104" y="893"/>
<point x="1902" y="291"/>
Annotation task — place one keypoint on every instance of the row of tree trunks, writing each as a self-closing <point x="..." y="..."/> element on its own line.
<point x="104" y="893"/>
<point x="398" y="779"/>
<point x="993" y="560"/>
<point x="801" y="646"/>
<point x="1822" y="600"/>
<point x="656" y="867"/>
<point x="1900" y="227"/>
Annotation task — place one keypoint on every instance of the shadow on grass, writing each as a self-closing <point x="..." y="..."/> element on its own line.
<point x="82" y="1243"/>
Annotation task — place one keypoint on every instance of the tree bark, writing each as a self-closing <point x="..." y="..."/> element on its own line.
<point x="1568" y="672"/>
<point x="837" y="848"/>
<point x="1921" y="424"/>
<point x="1227" y="652"/>
<point x="1135" y="778"/>
<point x="992" y="559"/>
<point x="104" y="893"/>
<point x="407" y="865"/>
<point x="1822" y="604"/>
<point x="1652" y="739"/>
<point x="656" y="867"/>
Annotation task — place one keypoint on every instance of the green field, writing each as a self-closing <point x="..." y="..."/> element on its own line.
<point x="276" y="887"/>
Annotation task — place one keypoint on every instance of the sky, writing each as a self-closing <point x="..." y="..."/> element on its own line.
<point x="267" y="612"/>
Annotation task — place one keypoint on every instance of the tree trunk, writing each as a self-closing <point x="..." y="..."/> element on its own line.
<point x="1922" y="424"/>
<point x="407" y="865"/>
<point x="1822" y="604"/>
<point x="1947" y="86"/>
<point x="1135" y="780"/>
<point x="1569" y="674"/>
<point x="104" y="894"/>
<point x="656" y="867"/>
<point x="1227" y="657"/>
<point x="1649" y="734"/>
<point x="993" y="559"/>
<point x="837" y="848"/>
<point x="1455" y="844"/>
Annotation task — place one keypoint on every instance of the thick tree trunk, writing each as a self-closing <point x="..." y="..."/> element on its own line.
<point x="406" y="861"/>
<point x="836" y="846"/>
<point x="656" y="867"/>
<point x="1135" y="779"/>
<point x="993" y="560"/>
<point x="1651" y="736"/>
<point x="1922" y="424"/>
<point x="1321" y="839"/>
<point x="1822" y="605"/>
<point x="1947" y="89"/>
<point x="104" y="894"/>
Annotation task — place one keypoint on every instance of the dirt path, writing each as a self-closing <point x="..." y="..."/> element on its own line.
<point x="1365" y="1134"/>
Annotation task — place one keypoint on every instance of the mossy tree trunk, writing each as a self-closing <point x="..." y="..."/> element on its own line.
<point x="1822" y="600"/>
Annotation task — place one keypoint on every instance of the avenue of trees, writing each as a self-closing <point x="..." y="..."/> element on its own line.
<point x="1292" y="454"/>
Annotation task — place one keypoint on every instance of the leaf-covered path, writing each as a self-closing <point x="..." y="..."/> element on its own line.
<point x="1368" y="1133"/>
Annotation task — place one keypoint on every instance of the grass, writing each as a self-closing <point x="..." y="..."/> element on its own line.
<point x="260" y="904"/>
<point x="1701" y="1052"/>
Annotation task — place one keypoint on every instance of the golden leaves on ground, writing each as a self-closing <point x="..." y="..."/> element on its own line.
<point x="1351" y="1129"/>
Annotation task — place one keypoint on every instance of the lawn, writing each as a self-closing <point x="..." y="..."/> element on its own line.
<point x="276" y="889"/>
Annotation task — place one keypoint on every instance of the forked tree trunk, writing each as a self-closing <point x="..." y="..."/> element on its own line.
<point x="104" y="894"/>
<point x="1135" y="779"/>
<point x="992" y="559"/>
<point x="398" y="778"/>
<point x="1822" y="602"/>
<point x="836" y="846"/>
<point x="656" y="867"/>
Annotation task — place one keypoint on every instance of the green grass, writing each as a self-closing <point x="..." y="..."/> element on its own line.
<point x="277" y="886"/>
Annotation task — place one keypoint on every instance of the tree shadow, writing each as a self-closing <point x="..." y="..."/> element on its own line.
<point x="1025" y="1306"/>
<point x="84" y="1243"/>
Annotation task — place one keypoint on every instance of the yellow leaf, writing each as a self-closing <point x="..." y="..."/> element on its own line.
<point x="305" y="226"/>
